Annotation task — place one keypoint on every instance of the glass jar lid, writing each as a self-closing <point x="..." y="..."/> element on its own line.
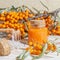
<point x="38" y="23"/>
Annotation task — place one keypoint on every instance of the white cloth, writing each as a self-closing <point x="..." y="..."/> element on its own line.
<point x="15" y="51"/>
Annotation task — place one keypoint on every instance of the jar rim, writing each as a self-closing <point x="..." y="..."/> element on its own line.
<point x="40" y="23"/>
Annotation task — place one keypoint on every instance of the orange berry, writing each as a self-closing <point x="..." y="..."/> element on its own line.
<point x="21" y="25"/>
<point x="23" y="15"/>
<point x="34" y="44"/>
<point x="22" y="29"/>
<point x="15" y="21"/>
<point x="58" y="32"/>
<point x="2" y="14"/>
<point x="27" y="10"/>
<point x="7" y="17"/>
<point x="26" y="17"/>
<point x="30" y="43"/>
<point x="26" y="14"/>
<point x="49" y="32"/>
<point x="53" y="30"/>
<point x="27" y="48"/>
<point x="0" y="25"/>
<point x="38" y="47"/>
<point x="30" y="15"/>
<point x="20" y="18"/>
<point x="4" y="26"/>
<point x="5" y="12"/>
<point x="12" y="21"/>
<point x="54" y="48"/>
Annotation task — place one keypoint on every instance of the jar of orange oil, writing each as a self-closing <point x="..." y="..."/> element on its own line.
<point x="37" y="33"/>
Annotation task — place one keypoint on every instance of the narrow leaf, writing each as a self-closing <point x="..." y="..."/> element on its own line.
<point x="29" y="9"/>
<point x="44" y="5"/>
<point x="26" y="27"/>
<point x="36" y="10"/>
<point x="22" y="55"/>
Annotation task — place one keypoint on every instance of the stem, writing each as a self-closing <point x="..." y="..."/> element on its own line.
<point x="33" y="58"/>
<point x="24" y="55"/>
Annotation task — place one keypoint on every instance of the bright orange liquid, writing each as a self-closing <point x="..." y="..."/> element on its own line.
<point x="38" y="35"/>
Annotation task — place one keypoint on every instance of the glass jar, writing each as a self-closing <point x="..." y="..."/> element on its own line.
<point x="37" y="32"/>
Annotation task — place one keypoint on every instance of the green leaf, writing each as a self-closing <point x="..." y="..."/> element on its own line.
<point x="22" y="56"/>
<point x="22" y="9"/>
<point x="2" y="8"/>
<point x="33" y="58"/>
<point x="18" y="9"/>
<point x="58" y="50"/>
<point x="13" y="8"/>
<point x="58" y="18"/>
<point x="1" y="11"/>
<point x="18" y="57"/>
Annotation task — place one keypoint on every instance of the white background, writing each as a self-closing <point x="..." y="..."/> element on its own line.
<point x="52" y="4"/>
